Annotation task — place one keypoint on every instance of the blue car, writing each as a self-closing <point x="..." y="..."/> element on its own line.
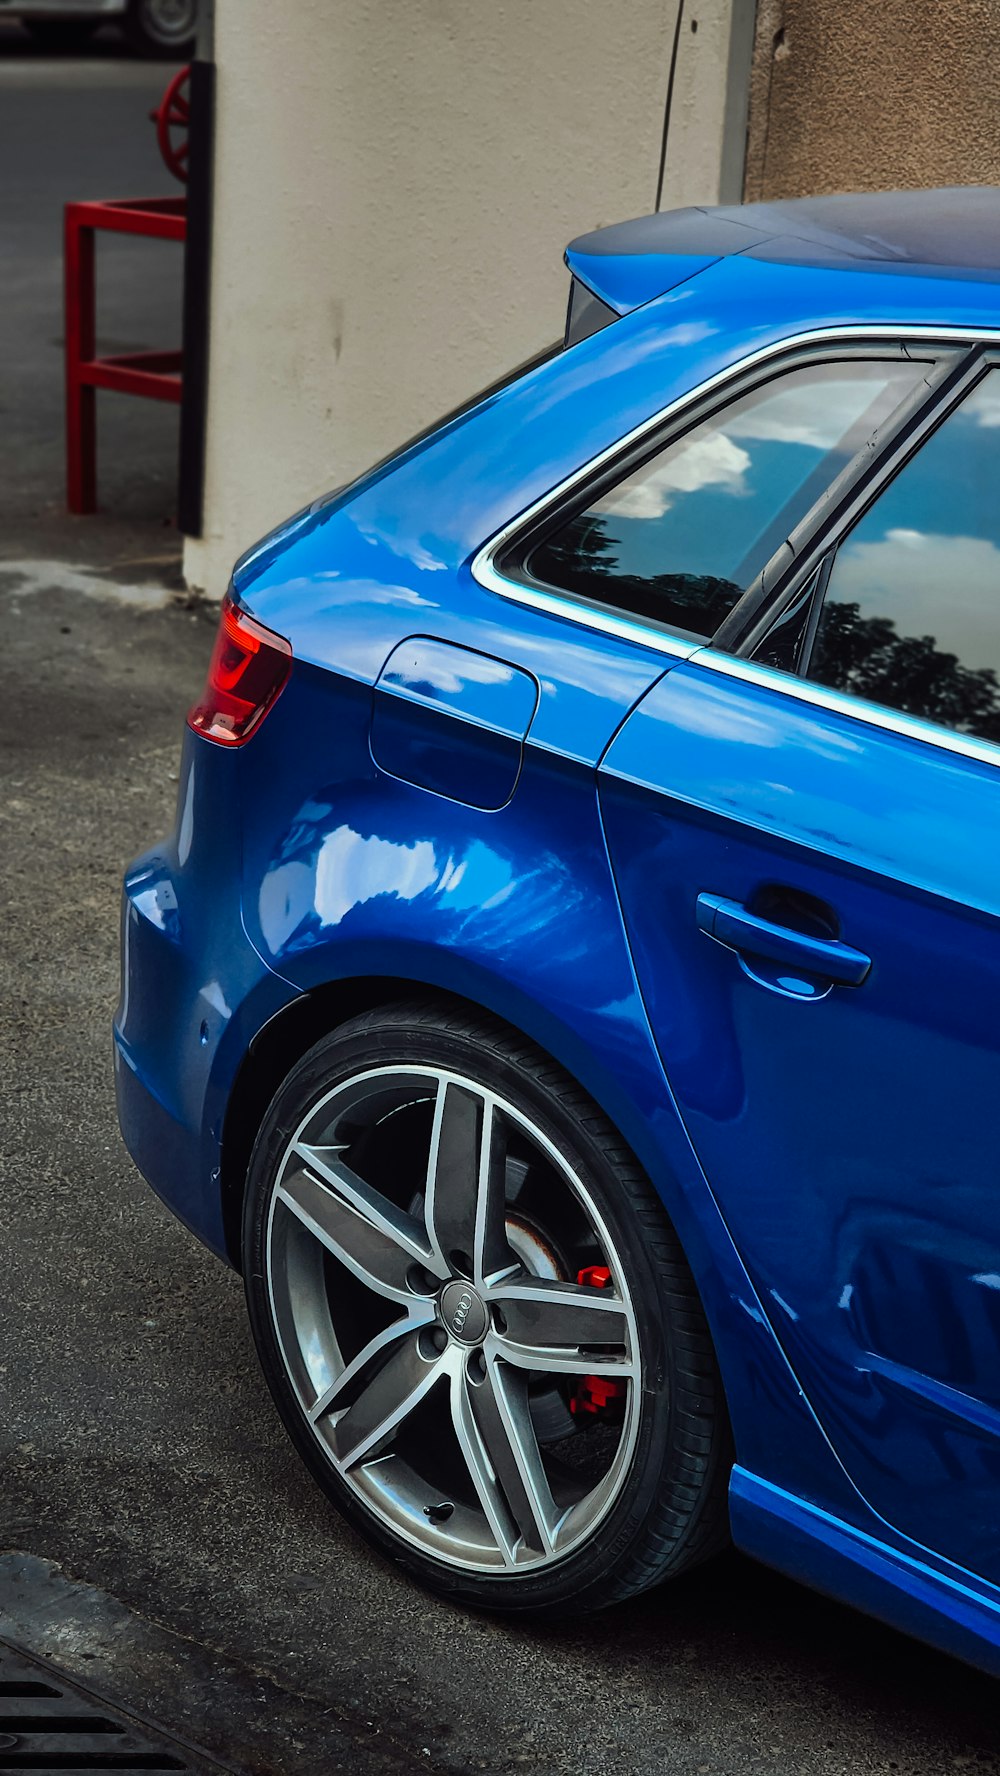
<point x="571" y="992"/>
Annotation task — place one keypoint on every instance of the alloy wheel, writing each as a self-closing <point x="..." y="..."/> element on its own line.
<point x="453" y="1318"/>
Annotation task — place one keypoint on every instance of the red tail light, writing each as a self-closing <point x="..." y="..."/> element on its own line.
<point x="247" y="673"/>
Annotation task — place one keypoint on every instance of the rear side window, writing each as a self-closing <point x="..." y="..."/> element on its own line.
<point x="911" y="615"/>
<point x="681" y="538"/>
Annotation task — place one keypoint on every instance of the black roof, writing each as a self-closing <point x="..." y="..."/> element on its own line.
<point x="955" y="226"/>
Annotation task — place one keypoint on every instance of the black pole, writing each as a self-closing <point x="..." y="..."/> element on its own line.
<point x="197" y="286"/>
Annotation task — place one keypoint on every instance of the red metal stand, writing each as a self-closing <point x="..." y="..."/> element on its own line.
<point x="156" y="374"/>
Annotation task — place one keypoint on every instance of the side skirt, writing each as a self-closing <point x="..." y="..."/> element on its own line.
<point x="951" y="1611"/>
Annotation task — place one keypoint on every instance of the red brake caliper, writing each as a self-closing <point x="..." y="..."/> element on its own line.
<point x="595" y="1393"/>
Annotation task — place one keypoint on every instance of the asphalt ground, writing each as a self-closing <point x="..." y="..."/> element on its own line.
<point x="158" y="1537"/>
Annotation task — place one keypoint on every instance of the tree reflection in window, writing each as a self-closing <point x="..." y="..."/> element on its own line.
<point x="584" y="558"/>
<point x="865" y="657"/>
<point x="912" y="611"/>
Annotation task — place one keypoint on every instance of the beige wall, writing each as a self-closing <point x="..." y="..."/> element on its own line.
<point x="395" y="181"/>
<point x="851" y="95"/>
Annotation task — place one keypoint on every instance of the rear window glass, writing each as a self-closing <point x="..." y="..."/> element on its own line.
<point x="682" y="537"/>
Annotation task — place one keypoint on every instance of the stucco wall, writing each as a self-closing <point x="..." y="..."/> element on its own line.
<point x="851" y="95"/>
<point x="395" y="181"/>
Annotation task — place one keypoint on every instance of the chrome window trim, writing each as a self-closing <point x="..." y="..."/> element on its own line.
<point x="485" y="572"/>
<point x="874" y="715"/>
<point x="626" y="628"/>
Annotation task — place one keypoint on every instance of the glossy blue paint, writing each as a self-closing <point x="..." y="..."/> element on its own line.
<point x="467" y="793"/>
<point x="349" y="873"/>
<point x="194" y="993"/>
<point x="850" y="1142"/>
<point x="840" y="1559"/>
<point x="429" y="691"/>
<point x="626" y="281"/>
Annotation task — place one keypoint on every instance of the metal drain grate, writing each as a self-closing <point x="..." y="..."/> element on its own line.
<point x="49" y="1723"/>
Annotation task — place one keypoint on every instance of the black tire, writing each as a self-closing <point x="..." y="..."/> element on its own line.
<point x="161" y="33"/>
<point x="61" y="36"/>
<point x="671" y="1511"/>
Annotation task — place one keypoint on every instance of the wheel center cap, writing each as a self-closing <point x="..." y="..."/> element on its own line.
<point x="463" y="1313"/>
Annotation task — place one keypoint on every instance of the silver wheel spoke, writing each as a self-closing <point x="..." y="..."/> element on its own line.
<point x="384" y="1401"/>
<point x="395" y="1223"/>
<point x="359" y="1226"/>
<point x="499" y="1405"/>
<point x="340" y="1393"/>
<point x="465" y="1203"/>
<point x="569" y="1328"/>
<point x="482" y="1473"/>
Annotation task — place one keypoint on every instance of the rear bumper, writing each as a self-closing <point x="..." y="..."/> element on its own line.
<point x="194" y="994"/>
<point x="170" y="1155"/>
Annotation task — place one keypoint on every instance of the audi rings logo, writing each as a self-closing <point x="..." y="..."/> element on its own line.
<point x="461" y="1313"/>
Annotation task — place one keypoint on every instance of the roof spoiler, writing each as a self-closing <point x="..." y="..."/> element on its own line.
<point x="617" y="269"/>
<point x="953" y="230"/>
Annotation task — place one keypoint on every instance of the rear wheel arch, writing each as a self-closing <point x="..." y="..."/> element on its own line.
<point x="277" y="1047"/>
<point x="282" y="1042"/>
